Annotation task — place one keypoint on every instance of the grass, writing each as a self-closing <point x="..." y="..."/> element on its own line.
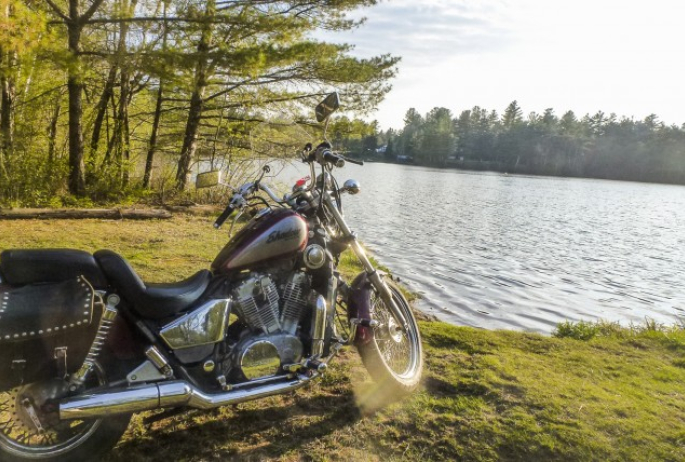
<point x="597" y="392"/>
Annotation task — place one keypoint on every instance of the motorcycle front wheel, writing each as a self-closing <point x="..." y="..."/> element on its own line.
<point x="393" y="358"/>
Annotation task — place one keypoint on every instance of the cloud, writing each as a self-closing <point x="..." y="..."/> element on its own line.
<point x="422" y="32"/>
<point x="583" y="55"/>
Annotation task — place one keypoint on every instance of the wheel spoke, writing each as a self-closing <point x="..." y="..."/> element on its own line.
<point x="48" y="439"/>
<point x="398" y="349"/>
<point x="8" y="425"/>
<point x="17" y="424"/>
<point x="23" y="438"/>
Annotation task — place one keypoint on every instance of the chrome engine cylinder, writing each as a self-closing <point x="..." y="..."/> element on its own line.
<point x="294" y="302"/>
<point x="257" y="304"/>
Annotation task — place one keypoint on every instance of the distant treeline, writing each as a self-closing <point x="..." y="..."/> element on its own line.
<point x="596" y="146"/>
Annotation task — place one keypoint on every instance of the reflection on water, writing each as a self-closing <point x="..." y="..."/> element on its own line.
<point x="498" y="251"/>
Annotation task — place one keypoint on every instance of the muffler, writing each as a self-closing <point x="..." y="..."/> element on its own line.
<point x="167" y="394"/>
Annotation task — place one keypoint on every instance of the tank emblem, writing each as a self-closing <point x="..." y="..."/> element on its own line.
<point x="283" y="235"/>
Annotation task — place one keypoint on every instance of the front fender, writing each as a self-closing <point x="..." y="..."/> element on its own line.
<point x="359" y="306"/>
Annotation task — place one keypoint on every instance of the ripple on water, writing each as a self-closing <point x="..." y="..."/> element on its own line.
<point x="525" y="252"/>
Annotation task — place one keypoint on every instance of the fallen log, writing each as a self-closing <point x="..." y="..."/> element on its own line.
<point x="62" y="214"/>
<point x="199" y="210"/>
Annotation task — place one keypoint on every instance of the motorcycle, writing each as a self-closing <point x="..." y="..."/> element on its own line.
<point x="85" y="343"/>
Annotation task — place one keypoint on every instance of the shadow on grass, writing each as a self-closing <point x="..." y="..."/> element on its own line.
<point x="253" y="434"/>
<point x="441" y="388"/>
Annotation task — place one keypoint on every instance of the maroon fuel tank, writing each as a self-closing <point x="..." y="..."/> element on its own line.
<point x="278" y="234"/>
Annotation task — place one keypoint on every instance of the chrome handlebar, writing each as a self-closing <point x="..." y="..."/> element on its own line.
<point x="270" y="193"/>
<point x="321" y="155"/>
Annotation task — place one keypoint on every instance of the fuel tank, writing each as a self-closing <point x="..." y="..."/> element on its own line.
<point x="270" y="236"/>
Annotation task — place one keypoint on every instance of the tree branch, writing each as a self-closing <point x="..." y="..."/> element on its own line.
<point x="58" y="11"/>
<point x="91" y="11"/>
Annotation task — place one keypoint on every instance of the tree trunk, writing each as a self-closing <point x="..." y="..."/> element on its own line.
<point x="196" y="102"/>
<point x="75" y="88"/>
<point x="124" y="95"/>
<point x="124" y="151"/>
<point x="102" y="110"/>
<point x="152" y="146"/>
<point x="3" y="172"/>
<point x="74" y="23"/>
<point x="52" y="130"/>
<point x="126" y="142"/>
<point x="111" y="139"/>
<point x="7" y="107"/>
<point x="190" y="139"/>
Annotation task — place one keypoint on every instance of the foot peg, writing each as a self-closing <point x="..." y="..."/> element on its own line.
<point x="316" y="365"/>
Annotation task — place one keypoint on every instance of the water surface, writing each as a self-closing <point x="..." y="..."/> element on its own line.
<point x="517" y="252"/>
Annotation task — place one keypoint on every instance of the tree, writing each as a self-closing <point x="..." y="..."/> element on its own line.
<point x="438" y="136"/>
<point x="410" y="140"/>
<point x="21" y="30"/>
<point x="513" y="115"/>
<point x="75" y="21"/>
<point x="568" y="123"/>
<point x="149" y="79"/>
<point x="549" y="120"/>
<point x="390" y="146"/>
<point x="595" y="146"/>
<point x="259" y="53"/>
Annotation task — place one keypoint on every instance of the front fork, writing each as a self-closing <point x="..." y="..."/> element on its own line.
<point x="371" y="272"/>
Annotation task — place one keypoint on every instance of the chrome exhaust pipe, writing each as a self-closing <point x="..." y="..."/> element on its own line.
<point x="167" y="394"/>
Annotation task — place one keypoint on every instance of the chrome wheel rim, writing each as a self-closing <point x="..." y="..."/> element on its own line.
<point x="399" y="350"/>
<point x="19" y="435"/>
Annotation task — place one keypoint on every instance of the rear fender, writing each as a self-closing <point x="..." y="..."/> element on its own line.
<point x="123" y="340"/>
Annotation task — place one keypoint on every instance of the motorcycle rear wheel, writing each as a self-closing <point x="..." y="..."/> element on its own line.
<point x="393" y="358"/>
<point x="59" y="441"/>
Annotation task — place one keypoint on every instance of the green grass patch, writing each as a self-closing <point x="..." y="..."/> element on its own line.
<point x="597" y="392"/>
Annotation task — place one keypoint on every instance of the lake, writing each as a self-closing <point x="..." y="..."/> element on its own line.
<point x="519" y="252"/>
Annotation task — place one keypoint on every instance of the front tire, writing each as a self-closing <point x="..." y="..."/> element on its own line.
<point x="393" y="358"/>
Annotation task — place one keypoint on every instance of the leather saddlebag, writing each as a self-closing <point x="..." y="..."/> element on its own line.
<point x="45" y="330"/>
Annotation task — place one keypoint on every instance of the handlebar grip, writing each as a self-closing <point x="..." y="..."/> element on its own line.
<point x="358" y="162"/>
<point x="328" y="156"/>
<point x="222" y="218"/>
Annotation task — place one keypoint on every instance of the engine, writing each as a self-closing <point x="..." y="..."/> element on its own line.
<point x="271" y="339"/>
<point x="256" y="304"/>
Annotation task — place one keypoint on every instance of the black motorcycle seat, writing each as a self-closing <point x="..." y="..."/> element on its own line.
<point x="35" y="266"/>
<point x="152" y="301"/>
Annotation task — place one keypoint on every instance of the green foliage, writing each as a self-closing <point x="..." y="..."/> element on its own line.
<point x="581" y="330"/>
<point x="220" y="70"/>
<point x="596" y="146"/>
<point x="587" y="330"/>
<point x="354" y="137"/>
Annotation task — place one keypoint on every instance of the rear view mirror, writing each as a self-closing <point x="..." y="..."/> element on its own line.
<point x="208" y="179"/>
<point x="327" y="107"/>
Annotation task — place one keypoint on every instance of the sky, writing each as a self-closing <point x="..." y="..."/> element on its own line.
<point x="625" y="57"/>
